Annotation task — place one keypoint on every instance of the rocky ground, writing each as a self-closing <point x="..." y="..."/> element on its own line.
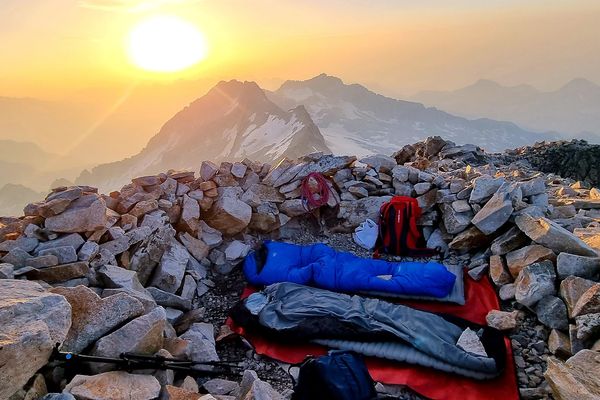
<point x="154" y="268"/>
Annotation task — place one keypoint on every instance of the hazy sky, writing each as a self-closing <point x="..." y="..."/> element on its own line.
<point x="52" y="48"/>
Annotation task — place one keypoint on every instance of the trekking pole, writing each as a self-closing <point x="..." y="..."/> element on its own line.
<point x="130" y="361"/>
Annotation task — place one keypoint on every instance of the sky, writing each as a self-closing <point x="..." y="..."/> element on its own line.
<point x="55" y="49"/>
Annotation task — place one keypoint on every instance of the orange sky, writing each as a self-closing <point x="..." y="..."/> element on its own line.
<point x="54" y="48"/>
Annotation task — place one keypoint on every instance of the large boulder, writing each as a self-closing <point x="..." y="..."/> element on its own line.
<point x="550" y="234"/>
<point x="93" y="317"/>
<point x="143" y="335"/>
<point x="32" y="321"/>
<point x="114" y="385"/>
<point x="87" y="213"/>
<point x="229" y="215"/>
<point x="577" y="378"/>
<point x="571" y="290"/>
<point x="535" y="282"/>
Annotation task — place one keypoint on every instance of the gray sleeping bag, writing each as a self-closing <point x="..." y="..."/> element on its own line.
<point x="390" y="331"/>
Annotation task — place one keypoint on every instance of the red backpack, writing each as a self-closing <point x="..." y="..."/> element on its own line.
<point x="398" y="232"/>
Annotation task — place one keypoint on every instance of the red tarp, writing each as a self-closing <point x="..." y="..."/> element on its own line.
<point x="480" y="298"/>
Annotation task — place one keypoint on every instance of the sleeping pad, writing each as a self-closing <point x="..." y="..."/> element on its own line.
<point x="372" y="327"/>
<point x="321" y="266"/>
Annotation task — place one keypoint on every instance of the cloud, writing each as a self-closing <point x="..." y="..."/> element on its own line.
<point x="132" y="6"/>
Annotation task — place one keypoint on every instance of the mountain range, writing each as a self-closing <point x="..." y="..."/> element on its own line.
<point x="573" y="109"/>
<point x="237" y="120"/>
<point x="355" y="120"/>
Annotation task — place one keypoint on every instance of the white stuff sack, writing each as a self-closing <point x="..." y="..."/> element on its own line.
<point x="365" y="235"/>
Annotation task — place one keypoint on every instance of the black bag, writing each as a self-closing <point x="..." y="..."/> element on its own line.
<point x="340" y="375"/>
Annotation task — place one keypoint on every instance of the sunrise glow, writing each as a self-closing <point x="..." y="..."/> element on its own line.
<point x="166" y="44"/>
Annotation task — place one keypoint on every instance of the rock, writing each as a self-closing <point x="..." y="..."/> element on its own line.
<point x="461" y="206"/>
<point x="190" y="216"/>
<point x="293" y="208"/>
<point x="42" y="261"/>
<point x="88" y="251"/>
<point x="264" y="193"/>
<point x="16" y="257"/>
<point x="175" y="393"/>
<point x="498" y="271"/>
<point x="518" y="259"/>
<point x="168" y="275"/>
<point x="503" y="320"/>
<point x="507" y="292"/>
<point x="478" y="272"/>
<point x="265" y="219"/>
<point x="453" y="221"/>
<point x="87" y="213"/>
<point x="208" y="170"/>
<point x="380" y="162"/>
<point x="151" y="180"/>
<point x="74" y="240"/>
<point x="229" y="215"/>
<point x="196" y="247"/>
<point x="93" y="317"/>
<point x="436" y="241"/>
<point x="533" y="187"/>
<point x="252" y="388"/>
<point x="535" y="282"/>
<point x="202" y="342"/>
<point x="120" y="278"/>
<point x="559" y="344"/>
<point x="60" y="273"/>
<point x="189" y="287"/>
<point x="114" y="385"/>
<point x="549" y="234"/>
<point x="236" y="250"/>
<point x="143" y="207"/>
<point x="167" y="299"/>
<point x="469" y="239"/>
<point x="577" y="378"/>
<point x="588" y="326"/>
<point x="143" y="335"/>
<point x="26" y="244"/>
<point x="32" y="321"/>
<point x="221" y="387"/>
<point x="484" y="187"/>
<point x="571" y="290"/>
<point x="496" y="211"/>
<point x="470" y="342"/>
<point x="589" y="302"/>
<point x="353" y="213"/>
<point x="552" y="312"/>
<point x="584" y="267"/>
<point x="65" y="254"/>
<point x="212" y="237"/>
<point x="576" y="344"/>
<point x="58" y="396"/>
<point x="7" y="271"/>
<point x="359" y="192"/>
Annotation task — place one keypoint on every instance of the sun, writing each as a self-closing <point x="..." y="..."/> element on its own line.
<point x="166" y="44"/>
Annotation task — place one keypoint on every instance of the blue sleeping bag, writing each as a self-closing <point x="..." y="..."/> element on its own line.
<point x="321" y="266"/>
